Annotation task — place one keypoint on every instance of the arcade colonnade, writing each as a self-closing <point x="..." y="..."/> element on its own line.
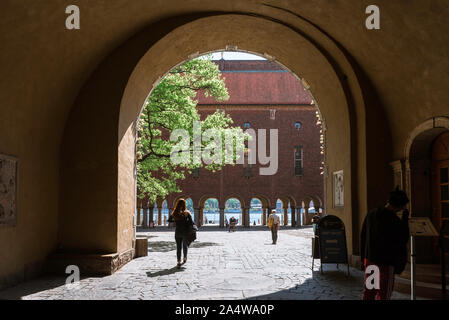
<point x="145" y="210"/>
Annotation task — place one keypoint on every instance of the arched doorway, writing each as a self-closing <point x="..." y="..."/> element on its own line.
<point x="256" y="212"/>
<point x="233" y="208"/>
<point x="323" y="68"/>
<point x="425" y="180"/>
<point x="211" y="212"/>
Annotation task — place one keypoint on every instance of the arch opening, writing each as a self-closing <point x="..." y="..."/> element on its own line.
<point x="115" y="140"/>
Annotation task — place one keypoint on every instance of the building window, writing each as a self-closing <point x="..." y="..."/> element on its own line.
<point x="247" y="168"/>
<point x="196" y="173"/>
<point x="298" y="160"/>
<point x="298" y="125"/>
<point x="246" y="125"/>
<point x="272" y="114"/>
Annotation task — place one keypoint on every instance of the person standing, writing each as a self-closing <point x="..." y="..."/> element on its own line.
<point x="232" y="223"/>
<point x="274" y="225"/>
<point x="315" y="221"/>
<point x="184" y="223"/>
<point x="384" y="240"/>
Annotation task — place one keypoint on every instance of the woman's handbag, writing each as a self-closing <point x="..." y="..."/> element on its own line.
<point x="191" y="233"/>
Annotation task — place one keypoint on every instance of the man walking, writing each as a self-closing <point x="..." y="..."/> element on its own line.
<point x="384" y="240"/>
<point x="274" y="225"/>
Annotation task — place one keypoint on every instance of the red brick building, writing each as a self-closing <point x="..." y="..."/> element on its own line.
<point x="262" y="96"/>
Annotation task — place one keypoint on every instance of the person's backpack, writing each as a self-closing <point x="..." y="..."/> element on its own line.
<point x="270" y="222"/>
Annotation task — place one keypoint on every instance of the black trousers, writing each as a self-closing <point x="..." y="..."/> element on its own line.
<point x="274" y="233"/>
<point x="181" y="243"/>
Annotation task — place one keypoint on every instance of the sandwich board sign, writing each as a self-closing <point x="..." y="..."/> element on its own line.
<point x="332" y="241"/>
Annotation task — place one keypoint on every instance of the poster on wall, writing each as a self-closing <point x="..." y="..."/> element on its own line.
<point x="338" y="189"/>
<point x="8" y="190"/>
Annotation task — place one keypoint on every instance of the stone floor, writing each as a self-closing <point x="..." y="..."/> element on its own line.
<point x="221" y="265"/>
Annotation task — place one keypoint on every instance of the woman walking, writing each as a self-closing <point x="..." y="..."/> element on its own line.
<point x="184" y="224"/>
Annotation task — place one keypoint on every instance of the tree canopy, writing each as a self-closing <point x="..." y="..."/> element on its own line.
<point x="171" y="106"/>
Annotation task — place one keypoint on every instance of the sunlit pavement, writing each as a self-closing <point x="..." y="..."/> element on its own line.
<point x="221" y="265"/>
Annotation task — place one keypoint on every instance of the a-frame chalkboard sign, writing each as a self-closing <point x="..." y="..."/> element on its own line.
<point x="331" y="241"/>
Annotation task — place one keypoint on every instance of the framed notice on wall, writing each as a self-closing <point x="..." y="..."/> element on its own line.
<point x="8" y="190"/>
<point x="338" y="186"/>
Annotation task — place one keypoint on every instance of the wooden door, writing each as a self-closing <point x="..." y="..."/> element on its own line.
<point x="440" y="183"/>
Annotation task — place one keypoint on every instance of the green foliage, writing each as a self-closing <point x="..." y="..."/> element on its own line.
<point x="233" y="203"/>
<point x="172" y="105"/>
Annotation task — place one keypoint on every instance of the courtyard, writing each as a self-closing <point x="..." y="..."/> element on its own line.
<point x="221" y="266"/>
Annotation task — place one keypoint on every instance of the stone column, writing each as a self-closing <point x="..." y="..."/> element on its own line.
<point x="264" y="216"/>
<point x="138" y="216"/>
<point x="150" y="212"/>
<point x="306" y="216"/>
<point x="201" y="219"/>
<point x="246" y="220"/>
<point x="145" y="217"/>
<point x="222" y="218"/>
<point x="285" y="215"/>
<point x="293" y="214"/>
<point x="159" y="215"/>
<point x="268" y="213"/>
<point x="196" y="216"/>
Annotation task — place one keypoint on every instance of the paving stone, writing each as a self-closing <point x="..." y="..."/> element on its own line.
<point x="221" y="265"/>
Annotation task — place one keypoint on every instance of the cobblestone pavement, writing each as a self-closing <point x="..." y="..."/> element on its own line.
<point x="221" y="265"/>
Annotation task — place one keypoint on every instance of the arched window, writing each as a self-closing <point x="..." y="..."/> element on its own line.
<point x="246" y="125"/>
<point x="298" y="125"/>
<point x="298" y="160"/>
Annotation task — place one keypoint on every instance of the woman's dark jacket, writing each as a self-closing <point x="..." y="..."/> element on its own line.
<point x="184" y="227"/>
<point x="384" y="239"/>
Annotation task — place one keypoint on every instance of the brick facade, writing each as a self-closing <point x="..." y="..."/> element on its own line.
<point x="291" y="104"/>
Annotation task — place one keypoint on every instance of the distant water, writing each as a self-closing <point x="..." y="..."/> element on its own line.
<point x="213" y="218"/>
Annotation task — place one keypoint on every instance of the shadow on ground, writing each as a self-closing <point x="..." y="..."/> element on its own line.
<point x="37" y="285"/>
<point x="161" y="246"/>
<point x="325" y="286"/>
<point x="165" y="246"/>
<point x="164" y="272"/>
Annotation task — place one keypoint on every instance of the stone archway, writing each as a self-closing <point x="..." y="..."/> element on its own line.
<point x="266" y="206"/>
<point x="324" y="69"/>
<point x="201" y="206"/>
<point x="415" y="174"/>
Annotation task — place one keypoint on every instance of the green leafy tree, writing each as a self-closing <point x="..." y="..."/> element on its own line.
<point x="172" y="105"/>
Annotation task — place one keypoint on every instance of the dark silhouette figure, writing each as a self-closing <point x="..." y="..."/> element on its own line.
<point x="384" y="240"/>
<point x="184" y="227"/>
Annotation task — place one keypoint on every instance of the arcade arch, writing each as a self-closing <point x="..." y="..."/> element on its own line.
<point x="309" y="53"/>
<point x="422" y="173"/>
<point x="235" y="207"/>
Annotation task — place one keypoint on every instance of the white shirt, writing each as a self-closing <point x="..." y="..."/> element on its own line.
<point x="275" y="218"/>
